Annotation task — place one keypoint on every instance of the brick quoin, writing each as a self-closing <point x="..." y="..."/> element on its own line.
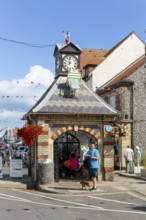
<point x="53" y="138"/>
<point x="109" y="169"/>
<point x="81" y="128"/>
<point x="42" y="157"/>
<point x="108" y="156"/>
<point x="94" y="134"/>
<point x="63" y="129"/>
<point x="43" y="144"/>
<point x="58" y="133"/>
<point x="70" y="128"/>
<point x="45" y="133"/>
<point x="88" y="130"/>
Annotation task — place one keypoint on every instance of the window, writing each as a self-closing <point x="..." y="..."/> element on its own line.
<point x="112" y="101"/>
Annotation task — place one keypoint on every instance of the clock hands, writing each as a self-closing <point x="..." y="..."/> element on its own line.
<point x="69" y="62"/>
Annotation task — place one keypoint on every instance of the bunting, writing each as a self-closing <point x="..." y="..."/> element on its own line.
<point x="24" y="82"/>
<point x="17" y="96"/>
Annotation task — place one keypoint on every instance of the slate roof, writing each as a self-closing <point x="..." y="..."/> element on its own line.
<point x="58" y="100"/>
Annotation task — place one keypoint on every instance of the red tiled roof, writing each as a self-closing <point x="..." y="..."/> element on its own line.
<point x="93" y="57"/>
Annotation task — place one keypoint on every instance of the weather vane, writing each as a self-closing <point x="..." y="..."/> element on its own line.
<point x="67" y="37"/>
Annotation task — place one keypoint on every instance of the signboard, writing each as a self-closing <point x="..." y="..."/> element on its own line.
<point x="108" y="128"/>
<point x="84" y="148"/>
<point x="15" y="168"/>
<point x="1" y="166"/>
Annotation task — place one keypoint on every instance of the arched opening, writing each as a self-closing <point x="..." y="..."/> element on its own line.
<point x="66" y="144"/>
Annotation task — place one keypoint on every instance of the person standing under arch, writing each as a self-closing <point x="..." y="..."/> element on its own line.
<point x="73" y="165"/>
<point x="94" y="158"/>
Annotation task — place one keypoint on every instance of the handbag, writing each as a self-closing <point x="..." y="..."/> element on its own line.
<point x="67" y="164"/>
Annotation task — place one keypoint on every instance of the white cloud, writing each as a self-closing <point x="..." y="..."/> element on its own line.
<point x="39" y="75"/>
<point x="18" y="96"/>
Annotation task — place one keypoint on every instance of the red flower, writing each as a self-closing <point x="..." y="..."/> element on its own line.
<point x="29" y="133"/>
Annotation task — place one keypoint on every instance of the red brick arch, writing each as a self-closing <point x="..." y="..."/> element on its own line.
<point x="62" y="130"/>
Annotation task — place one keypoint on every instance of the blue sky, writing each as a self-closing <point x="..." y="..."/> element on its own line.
<point x="92" y="24"/>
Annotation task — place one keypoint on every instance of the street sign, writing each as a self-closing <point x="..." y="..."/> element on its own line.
<point x="16" y="168"/>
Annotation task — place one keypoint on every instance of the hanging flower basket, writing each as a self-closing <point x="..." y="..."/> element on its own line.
<point x="29" y="133"/>
<point x="120" y="130"/>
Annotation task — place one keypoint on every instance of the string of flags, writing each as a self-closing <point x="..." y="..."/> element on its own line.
<point x="24" y="82"/>
<point x="12" y="110"/>
<point x="9" y="120"/>
<point x="17" y="96"/>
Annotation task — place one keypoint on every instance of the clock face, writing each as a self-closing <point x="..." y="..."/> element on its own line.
<point x="70" y="62"/>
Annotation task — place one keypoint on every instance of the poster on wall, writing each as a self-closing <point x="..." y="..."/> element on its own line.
<point x="16" y="168"/>
<point x="84" y="149"/>
<point x="1" y="168"/>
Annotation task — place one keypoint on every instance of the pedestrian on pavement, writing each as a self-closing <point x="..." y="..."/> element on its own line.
<point x="137" y="155"/>
<point x="3" y="158"/>
<point x="128" y="155"/>
<point x="94" y="158"/>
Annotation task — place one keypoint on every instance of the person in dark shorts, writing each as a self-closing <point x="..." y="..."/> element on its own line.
<point x="93" y="154"/>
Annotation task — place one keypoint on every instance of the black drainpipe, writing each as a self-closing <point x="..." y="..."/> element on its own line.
<point x="131" y="113"/>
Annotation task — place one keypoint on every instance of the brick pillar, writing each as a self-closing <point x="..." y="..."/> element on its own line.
<point x="108" y="144"/>
<point x="45" y="167"/>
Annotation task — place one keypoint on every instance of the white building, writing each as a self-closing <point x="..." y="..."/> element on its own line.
<point x="119" y="57"/>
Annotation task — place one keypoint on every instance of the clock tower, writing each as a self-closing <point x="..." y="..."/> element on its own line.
<point x="67" y="57"/>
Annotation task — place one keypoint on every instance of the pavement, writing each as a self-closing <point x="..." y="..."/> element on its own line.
<point x="11" y="182"/>
<point x="123" y="182"/>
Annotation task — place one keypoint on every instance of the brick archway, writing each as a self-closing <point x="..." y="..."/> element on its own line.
<point x="62" y="130"/>
<point x="94" y="134"/>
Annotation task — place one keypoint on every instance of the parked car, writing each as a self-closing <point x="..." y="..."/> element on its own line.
<point x="20" y="152"/>
<point x="21" y="148"/>
<point x="24" y="152"/>
<point x="24" y="156"/>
